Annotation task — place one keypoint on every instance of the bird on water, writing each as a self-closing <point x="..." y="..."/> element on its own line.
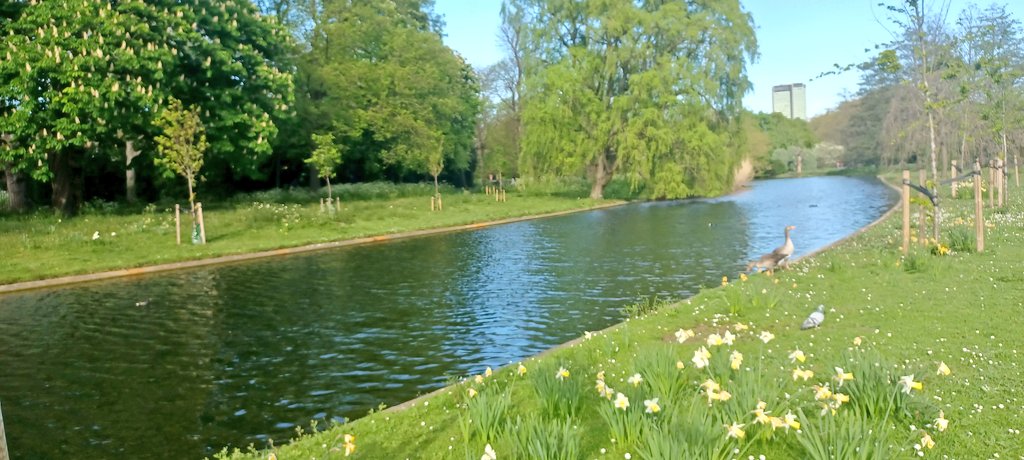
<point x="779" y="255"/>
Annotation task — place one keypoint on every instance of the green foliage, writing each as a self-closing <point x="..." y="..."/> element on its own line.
<point x="182" y="144"/>
<point x="915" y="262"/>
<point x="535" y="437"/>
<point x="559" y="396"/>
<point x="645" y="306"/>
<point x="961" y="239"/>
<point x="325" y="158"/>
<point x="645" y="102"/>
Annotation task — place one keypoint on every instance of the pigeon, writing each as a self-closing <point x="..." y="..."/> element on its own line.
<point x="815" y="319"/>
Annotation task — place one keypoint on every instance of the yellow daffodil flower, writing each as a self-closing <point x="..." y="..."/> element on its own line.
<point x="710" y="384"/>
<point x="350" y="444"/>
<point x="728" y="338"/>
<point x="600" y="386"/>
<point x="471" y="392"/>
<point x="600" y="375"/>
<point x="723" y="396"/>
<point x="680" y="365"/>
<point x="725" y="281"/>
<point x="907" y="383"/>
<point x="735" y="360"/>
<point x="715" y="340"/>
<point x="766" y="336"/>
<point x="743" y="276"/>
<point x="941" y="423"/>
<point x="683" y="334"/>
<point x="735" y="430"/>
<point x="740" y="327"/>
<point x="562" y="374"/>
<point x="777" y="423"/>
<point x="944" y="369"/>
<point x="856" y="341"/>
<point x="479" y="379"/>
<point x="701" y="358"/>
<point x="521" y="370"/>
<point x="488" y="372"/>
<point x="841" y="398"/>
<point x="842" y="376"/>
<point x="801" y="373"/>
<point x="797" y="355"/>
<point x="791" y="421"/>
<point x="621" y="401"/>
<point x="635" y="380"/>
<point x="822" y="392"/>
<point x="927" y="442"/>
<point x="652" y="406"/>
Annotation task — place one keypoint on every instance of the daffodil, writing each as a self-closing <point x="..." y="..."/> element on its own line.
<point x="801" y="373"/>
<point x="842" y="376"/>
<point x="609" y="392"/>
<point x="777" y="423"/>
<point x="722" y="396"/>
<point x="715" y="340"/>
<point x="840" y="398"/>
<point x="471" y="392"/>
<point x="680" y="365"/>
<point x="766" y="336"/>
<point x="735" y="360"/>
<point x="489" y="453"/>
<point x="735" y="430"/>
<point x="701" y="358"/>
<point x="728" y="338"/>
<point x="350" y="444"/>
<point x="856" y="341"/>
<point x="600" y="386"/>
<point x="944" y="369"/>
<point x="635" y="380"/>
<point x="725" y="280"/>
<point x="907" y="383"/>
<point x="740" y="327"/>
<point x="479" y="379"/>
<point x="600" y="375"/>
<point x="621" y="401"/>
<point x="743" y="276"/>
<point x="683" y="334"/>
<point x="826" y="408"/>
<point x="941" y="423"/>
<point x="822" y="392"/>
<point x="760" y="416"/>
<point x="488" y="372"/>
<point x="710" y="385"/>
<point x="927" y="442"/>
<point x="652" y="406"/>
<point x="797" y="355"/>
<point x="791" y="422"/>
<point x="521" y="370"/>
<point x="562" y="374"/>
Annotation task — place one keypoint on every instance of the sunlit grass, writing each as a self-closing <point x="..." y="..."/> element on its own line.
<point x="908" y="363"/>
<point x="105" y="238"/>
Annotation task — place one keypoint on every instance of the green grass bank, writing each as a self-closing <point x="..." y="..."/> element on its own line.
<point x="729" y="374"/>
<point x="108" y="237"/>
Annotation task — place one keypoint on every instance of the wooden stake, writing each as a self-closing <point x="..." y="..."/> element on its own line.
<point x="999" y="181"/>
<point x="4" y="455"/>
<point x="952" y="174"/>
<point x="1016" y="172"/>
<point x="906" y="210"/>
<point x="432" y="198"/>
<point x="979" y="216"/>
<point x="177" y="222"/>
<point x="991" y="182"/>
<point x="921" y="238"/>
<point x="440" y="206"/>
<point x="321" y="205"/>
<point x="202" y="226"/>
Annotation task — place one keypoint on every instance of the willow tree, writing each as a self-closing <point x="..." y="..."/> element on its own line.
<point x="649" y="90"/>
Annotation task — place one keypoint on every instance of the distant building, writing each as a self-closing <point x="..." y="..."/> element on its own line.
<point x="790" y="100"/>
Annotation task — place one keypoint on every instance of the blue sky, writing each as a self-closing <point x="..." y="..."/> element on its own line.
<point x="797" y="41"/>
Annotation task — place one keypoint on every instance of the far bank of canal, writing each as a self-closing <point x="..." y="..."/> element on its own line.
<point x="180" y="364"/>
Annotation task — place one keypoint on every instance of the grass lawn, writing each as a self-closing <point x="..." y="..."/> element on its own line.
<point x="42" y="246"/>
<point x="878" y="390"/>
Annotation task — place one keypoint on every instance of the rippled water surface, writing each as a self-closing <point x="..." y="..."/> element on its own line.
<point x="178" y="365"/>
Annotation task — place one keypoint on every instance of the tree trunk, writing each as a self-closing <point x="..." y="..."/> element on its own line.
<point x="67" y="182"/>
<point x="129" y="173"/>
<point x="328" y="189"/>
<point x="17" y="191"/>
<point x="601" y="178"/>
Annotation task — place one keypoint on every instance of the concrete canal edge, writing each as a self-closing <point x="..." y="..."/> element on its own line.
<point x="412" y="402"/>
<point x="127" y="272"/>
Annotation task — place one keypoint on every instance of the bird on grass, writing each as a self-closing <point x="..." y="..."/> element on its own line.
<point x="815" y="319"/>
<point x="778" y="256"/>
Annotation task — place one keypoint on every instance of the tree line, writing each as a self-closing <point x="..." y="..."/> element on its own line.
<point x="947" y="87"/>
<point x="648" y="91"/>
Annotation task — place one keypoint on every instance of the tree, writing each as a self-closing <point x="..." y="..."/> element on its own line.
<point x="378" y="76"/>
<point x="84" y="76"/>
<point x="649" y="90"/>
<point x="326" y="159"/>
<point x="182" y="145"/>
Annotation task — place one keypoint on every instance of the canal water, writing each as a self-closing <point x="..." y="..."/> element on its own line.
<point x="178" y="365"/>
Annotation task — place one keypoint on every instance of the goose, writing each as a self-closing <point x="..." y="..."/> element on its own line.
<point x="779" y="255"/>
